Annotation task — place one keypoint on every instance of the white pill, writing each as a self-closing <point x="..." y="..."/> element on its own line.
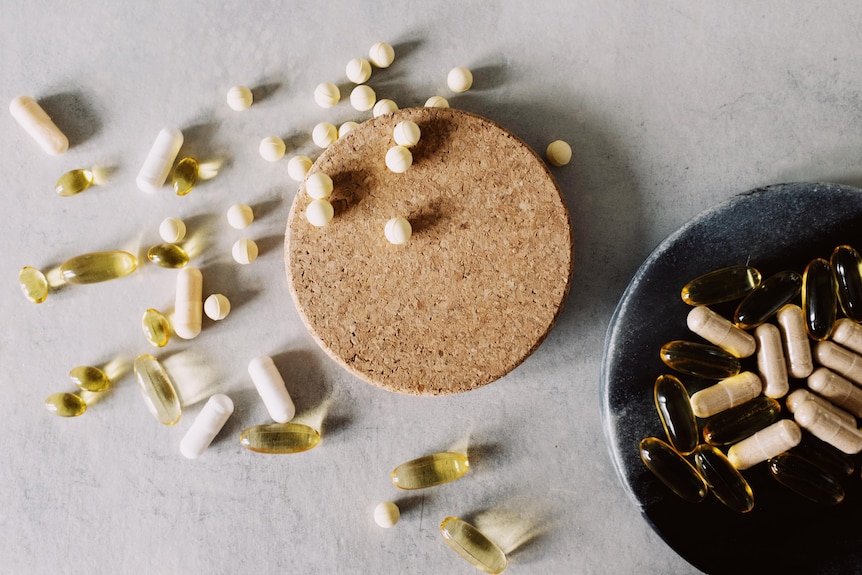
<point x="828" y="428"/>
<point x="297" y="167"/>
<point x="406" y="133"/>
<point x="188" y="304"/>
<point x="172" y="230"/>
<point x="346" y="127"/>
<point x="272" y="148"/>
<point x="270" y="386"/>
<point x="770" y="361"/>
<point x="719" y="331"/>
<point x="386" y="514"/>
<point x="244" y="251"/>
<point x="240" y="216"/>
<point x="836" y="389"/>
<point x="848" y="333"/>
<point x="324" y="134"/>
<point x="399" y="159"/>
<point x="383" y="107"/>
<point x="319" y="212"/>
<point x="839" y="359"/>
<point x="398" y="230"/>
<point x="726" y="393"/>
<point x="795" y="399"/>
<point x="381" y="54"/>
<point x="318" y="185"/>
<point x="206" y="426"/>
<point x="39" y="125"/>
<point x="459" y="79"/>
<point x="436" y="102"/>
<point x="160" y="160"/>
<point x="239" y="98"/>
<point x="558" y="153"/>
<point x="217" y="307"/>
<point x="797" y="347"/>
<point x="327" y="95"/>
<point x="358" y="70"/>
<point x="362" y="98"/>
<point x="765" y="444"/>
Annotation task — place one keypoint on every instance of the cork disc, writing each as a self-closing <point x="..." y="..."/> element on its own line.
<point x="481" y="281"/>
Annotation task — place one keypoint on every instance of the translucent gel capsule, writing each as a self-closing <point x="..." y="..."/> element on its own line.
<point x="169" y="256"/>
<point x="98" y="267"/>
<point x="806" y="479"/>
<point x="819" y="300"/>
<point x="185" y="176"/>
<point x="826" y="457"/>
<point x="727" y="393"/>
<point x="674" y="409"/>
<point x="699" y="359"/>
<point x="157" y="389"/>
<point x="725" y="284"/>
<point x="672" y="469"/>
<point x="65" y="404"/>
<point x="430" y="470"/>
<point x="759" y="305"/>
<point x="473" y="546"/>
<point x="279" y="438"/>
<point x="33" y="283"/>
<point x="765" y="444"/>
<point x="724" y="481"/>
<point x="737" y="423"/>
<point x="74" y="182"/>
<point x="847" y="268"/>
<point x="89" y="378"/>
<point x="157" y="328"/>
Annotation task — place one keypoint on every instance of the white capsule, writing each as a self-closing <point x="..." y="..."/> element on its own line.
<point x="381" y="54"/>
<point x="848" y="333"/>
<point x="558" y="153"/>
<point x="406" y="133"/>
<point x="770" y="361"/>
<point x="270" y="386"/>
<point x="362" y="98"/>
<point x="386" y="514"/>
<point x="217" y="307"/>
<point x="836" y="389"/>
<point x="797" y="347"/>
<point x="828" y="428"/>
<point x="383" y="107"/>
<point x="39" y="125"/>
<point x="459" y="79"/>
<point x="436" y="102"/>
<point x="172" y="230"/>
<point x="188" y="306"/>
<point x="160" y="160"/>
<point x="297" y="167"/>
<point x="839" y="359"/>
<point x="358" y="70"/>
<point x="399" y="159"/>
<point x="318" y="185"/>
<point x="271" y="148"/>
<point x="398" y="230"/>
<point x="244" y="251"/>
<point x="239" y="98"/>
<point x="319" y="212"/>
<point x="765" y="444"/>
<point x="721" y="332"/>
<point x="240" y="216"/>
<point x="327" y="95"/>
<point x="725" y="394"/>
<point x="206" y="426"/>
<point x="795" y="399"/>
<point x="324" y="134"/>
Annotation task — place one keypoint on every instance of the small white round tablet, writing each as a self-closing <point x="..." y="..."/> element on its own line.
<point x="239" y="98"/>
<point x="172" y="230"/>
<point x="386" y="514"/>
<point x="346" y="127"/>
<point x="240" y="216"/>
<point x="272" y="148"/>
<point x="399" y="159"/>
<point x="217" y="307"/>
<point x="459" y="79"/>
<point x="383" y="107"/>
<point x="382" y="54"/>
<point x="324" y="134"/>
<point x="358" y="70"/>
<point x="363" y="97"/>
<point x="398" y="230"/>
<point x="406" y="133"/>
<point x="297" y="167"/>
<point x="318" y="185"/>
<point x="436" y="102"/>
<point x="244" y="251"/>
<point x="559" y="153"/>
<point x="319" y="212"/>
<point x="327" y="95"/>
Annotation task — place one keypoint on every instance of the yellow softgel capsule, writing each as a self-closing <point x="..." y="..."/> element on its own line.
<point x="33" y="283"/>
<point x="157" y="328"/>
<point x="98" y="267"/>
<point x="430" y="470"/>
<point x="279" y="438"/>
<point x="74" y="182"/>
<point x="89" y="378"/>
<point x="185" y="176"/>
<point x="473" y="545"/>
<point x="65" y="404"/>
<point x="169" y="256"/>
<point x="157" y="389"/>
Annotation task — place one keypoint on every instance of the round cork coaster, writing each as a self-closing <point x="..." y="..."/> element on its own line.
<point x="481" y="281"/>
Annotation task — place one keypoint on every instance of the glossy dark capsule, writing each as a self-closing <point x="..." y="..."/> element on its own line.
<point x="672" y="469"/>
<point x="674" y="410"/>
<point x="724" y="480"/>
<point x="762" y="303"/>
<point x="831" y="460"/>
<point x="699" y="359"/>
<point x="737" y="423"/>
<point x="847" y="268"/>
<point x="722" y="285"/>
<point x="819" y="300"/>
<point x="806" y="479"/>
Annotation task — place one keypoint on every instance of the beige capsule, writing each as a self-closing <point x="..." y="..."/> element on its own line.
<point x="839" y="359"/>
<point x="721" y="332"/>
<point x="848" y="333"/>
<point x="795" y="399"/>
<point x="726" y="393"/>
<point x="766" y="443"/>
<point x="797" y="347"/>
<point x="824" y="426"/>
<point x="837" y="390"/>
<point x="770" y="361"/>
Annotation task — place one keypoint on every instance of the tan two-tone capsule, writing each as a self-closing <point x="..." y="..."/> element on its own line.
<point x="721" y="332"/>
<point x="828" y="428"/>
<point x="770" y="361"/>
<point x="799" y="396"/>
<point x="766" y="443"/>
<point x="837" y="390"/>
<point x="726" y="393"/>
<point x="797" y="347"/>
<point x="839" y="359"/>
<point x="848" y="333"/>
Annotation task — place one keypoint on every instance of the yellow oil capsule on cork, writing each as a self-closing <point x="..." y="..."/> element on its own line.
<point x="89" y="378"/>
<point x="98" y="267"/>
<point x="699" y="359"/>
<point x="430" y="470"/>
<point x="169" y="256"/>
<point x="473" y="545"/>
<point x="765" y="444"/>
<point x="724" y="480"/>
<point x="279" y="438"/>
<point x="157" y="389"/>
<point x="721" y="332"/>
<point x="186" y="175"/>
<point x="33" y="284"/>
<point x="725" y="394"/>
<point x="65" y="404"/>
<point x="157" y="328"/>
<point x="722" y="285"/>
<point x="74" y="182"/>
<point x="672" y="469"/>
<point x="674" y="409"/>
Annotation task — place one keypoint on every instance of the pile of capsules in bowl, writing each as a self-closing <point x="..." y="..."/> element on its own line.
<point x="806" y="436"/>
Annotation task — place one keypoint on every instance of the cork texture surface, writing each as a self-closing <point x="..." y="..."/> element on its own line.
<point x="478" y="286"/>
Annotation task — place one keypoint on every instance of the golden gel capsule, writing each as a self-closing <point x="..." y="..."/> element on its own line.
<point x="699" y="359"/>
<point x="157" y="389"/>
<point x="430" y="470"/>
<point x="672" y="469"/>
<point x="169" y="256"/>
<point x="765" y="444"/>
<point x="719" y="286"/>
<point x="847" y="268"/>
<point x="826" y="457"/>
<point x="157" y="328"/>
<point x="674" y="410"/>
<point x="185" y="176"/>
<point x="806" y="479"/>
<point x="724" y="481"/>
<point x="98" y="267"/>
<point x="819" y="300"/>
<point x="65" y="404"/>
<point x="33" y="283"/>
<point x="279" y="438"/>
<point x="89" y="378"/>
<point x="759" y="305"/>
<point x="727" y="393"/>
<point x="797" y="347"/>
<point x="473" y="546"/>
<point x="737" y="423"/>
<point x="74" y="182"/>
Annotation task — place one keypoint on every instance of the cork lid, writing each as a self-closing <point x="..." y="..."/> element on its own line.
<point x="481" y="281"/>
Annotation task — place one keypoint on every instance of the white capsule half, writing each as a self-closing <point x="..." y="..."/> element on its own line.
<point x="719" y="331"/>
<point x="206" y="426"/>
<point x="770" y="361"/>
<point x="39" y="125"/>
<point x="826" y="427"/>
<point x="188" y="306"/>
<point x="270" y="386"/>
<point x="160" y="160"/>
<point x="766" y="443"/>
<point x="797" y="347"/>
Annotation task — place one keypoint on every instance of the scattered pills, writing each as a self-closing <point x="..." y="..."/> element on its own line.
<point x="208" y="423"/>
<point x="74" y="182"/>
<point x="358" y="70"/>
<point x="436" y="102"/>
<point x="89" y="378"/>
<point x="386" y="514"/>
<point x="185" y="176"/>
<point x="459" y="79"/>
<point x="399" y="159"/>
<point x="847" y="267"/>
<point x="699" y="359"/>
<point x="384" y="106"/>
<point x="240" y="216"/>
<point x="244" y="251"/>
<point x="160" y="160"/>
<point x="188" y="303"/>
<point x="157" y="389"/>
<point x="398" y="230"/>
<point x="827" y="428"/>
<point x="430" y="470"/>
<point x="848" y="333"/>
<point x="327" y="95"/>
<point x="406" y="133"/>
<point x="297" y="167"/>
<point x="840" y="392"/>
<point x="363" y="98"/>
<point x="319" y="212"/>
<point x="172" y="230"/>
<point x="66" y="404"/>
<point x="346" y="128"/>
<point x="558" y="153"/>
<point x="271" y="388"/>
<point x="839" y="359"/>
<point x="217" y="307"/>
<point x="724" y="480"/>
<point x="672" y="469"/>
<point x="239" y="98"/>
<point x="33" y="283"/>
<point x="819" y="298"/>
<point x="39" y="125"/>
<point x="799" y="396"/>
<point x="381" y="54"/>
<point x="98" y="267"/>
<point x="318" y="185"/>
<point x="674" y="409"/>
<point x="324" y="134"/>
<point x="272" y="148"/>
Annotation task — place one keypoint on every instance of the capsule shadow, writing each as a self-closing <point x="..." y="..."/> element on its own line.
<point x="71" y="112"/>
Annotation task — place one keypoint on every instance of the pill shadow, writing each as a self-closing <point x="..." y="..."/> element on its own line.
<point x="410" y="504"/>
<point x="304" y="379"/>
<point x="484" y="456"/>
<point x="244" y="401"/>
<point x="198" y="143"/>
<point x="72" y="113"/>
<point x="263" y="209"/>
<point x="350" y="188"/>
<point x="268" y="244"/>
<point x="295" y="142"/>
<point x="489" y="77"/>
<point x="263" y="91"/>
<point x="427" y="217"/>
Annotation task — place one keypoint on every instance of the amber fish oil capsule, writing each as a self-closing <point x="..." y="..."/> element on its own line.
<point x="65" y="404"/>
<point x="98" y="267"/>
<point x="271" y="388"/>
<point x="279" y="438"/>
<point x="672" y="469"/>
<point x="160" y="159"/>
<point x="699" y="359"/>
<point x="157" y="389"/>
<point x="819" y="299"/>
<point x="169" y="256"/>
<point x="806" y="479"/>
<point x="38" y="125"/>
<point x="847" y="268"/>
<point x="473" y="545"/>
<point x="724" y="481"/>
<point x="33" y="284"/>
<point x="797" y="347"/>
<point x="721" y="332"/>
<point x="725" y="394"/>
<point x="89" y="378"/>
<point x="157" y="328"/>
<point x="674" y="409"/>
<point x="765" y="444"/>
<point x="185" y="176"/>
<point x="764" y="301"/>
<point x="722" y="285"/>
<point x="737" y="423"/>
<point x="430" y="470"/>
<point x="74" y="182"/>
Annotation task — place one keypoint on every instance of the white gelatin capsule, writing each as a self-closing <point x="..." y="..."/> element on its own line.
<point x="324" y="134"/>
<point x="358" y="70"/>
<point x="824" y="426"/>
<point x="159" y="161"/>
<point x="206" y="426"/>
<point x="839" y="359"/>
<point x="719" y="331"/>
<point x="269" y="384"/>
<point x="244" y="251"/>
<point x="459" y="79"/>
<point x="240" y="216"/>
<point x="837" y="390"/>
<point x="188" y="307"/>
<point x="398" y="230"/>
<point x="798" y="397"/>
<point x="436" y="102"/>
<point x="797" y="347"/>
<point x="848" y="333"/>
<point x="327" y="95"/>
<point x="39" y="125"/>
<point x="363" y="98"/>
<point x="725" y="394"/>
<point x="766" y="443"/>
<point x="770" y="361"/>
